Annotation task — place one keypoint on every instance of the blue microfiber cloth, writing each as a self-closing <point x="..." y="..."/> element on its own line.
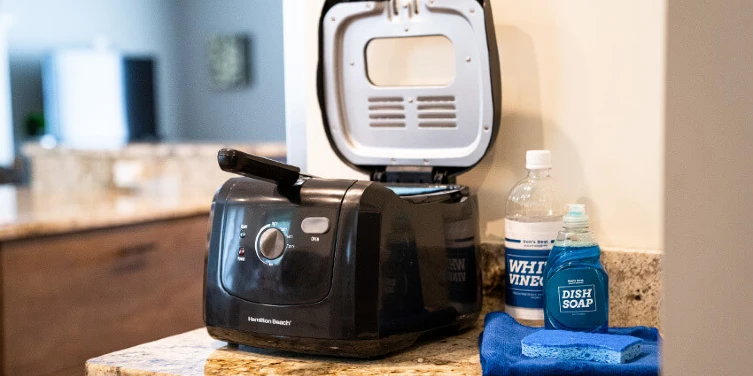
<point x="596" y="347"/>
<point x="501" y="352"/>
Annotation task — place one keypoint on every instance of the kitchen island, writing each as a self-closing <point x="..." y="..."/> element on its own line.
<point x="195" y="353"/>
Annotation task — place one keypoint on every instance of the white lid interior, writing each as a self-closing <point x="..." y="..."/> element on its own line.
<point x="416" y="134"/>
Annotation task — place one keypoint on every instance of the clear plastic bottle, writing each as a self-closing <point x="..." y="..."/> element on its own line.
<point x="533" y="218"/>
<point x="576" y="287"/>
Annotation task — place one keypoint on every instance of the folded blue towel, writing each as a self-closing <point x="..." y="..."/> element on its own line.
<point x="501" y="352"/>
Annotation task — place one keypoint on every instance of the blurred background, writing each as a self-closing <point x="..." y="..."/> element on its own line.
<point x="100" y="74"/>
<point x="111" y="116"/>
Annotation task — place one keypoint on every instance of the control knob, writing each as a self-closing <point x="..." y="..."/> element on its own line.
<point x="270" y="243"/>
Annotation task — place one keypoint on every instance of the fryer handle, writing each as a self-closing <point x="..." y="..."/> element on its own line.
<point x="255" y="167"/>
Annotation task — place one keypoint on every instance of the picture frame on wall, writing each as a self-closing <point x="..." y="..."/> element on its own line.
<point x="229" y="62"/>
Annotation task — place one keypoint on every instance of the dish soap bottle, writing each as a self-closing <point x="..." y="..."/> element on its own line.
<point x="533" y="217"/>
<point x="576" y="287"/>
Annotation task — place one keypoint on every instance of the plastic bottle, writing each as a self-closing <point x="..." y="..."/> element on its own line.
<point x="576" y="287"/>
<point x="533" y="217"/>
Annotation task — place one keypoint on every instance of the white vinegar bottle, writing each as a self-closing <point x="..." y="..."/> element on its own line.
<point x="533" y="216"/>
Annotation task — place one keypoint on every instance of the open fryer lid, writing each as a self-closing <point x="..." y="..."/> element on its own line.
<point x="370" y="127"/>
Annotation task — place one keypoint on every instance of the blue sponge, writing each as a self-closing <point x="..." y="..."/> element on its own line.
<point x="562" y="344"/>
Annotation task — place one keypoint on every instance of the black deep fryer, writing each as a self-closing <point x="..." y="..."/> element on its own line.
<point x="363" y="268"/>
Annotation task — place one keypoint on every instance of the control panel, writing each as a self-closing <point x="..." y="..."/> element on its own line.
<point x="278" y="254"/>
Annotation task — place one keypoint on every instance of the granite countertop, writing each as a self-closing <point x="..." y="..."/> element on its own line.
<point x="25" y="213"/>
<point x="76" y="190"/>
<point x="195" y="353"/>
<point x="160" y="149"/>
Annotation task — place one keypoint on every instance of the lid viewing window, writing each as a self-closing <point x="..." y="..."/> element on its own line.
<point x="411" y="61"/>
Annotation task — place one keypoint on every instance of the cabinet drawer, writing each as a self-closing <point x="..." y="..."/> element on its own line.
<point x="69" y="298"/>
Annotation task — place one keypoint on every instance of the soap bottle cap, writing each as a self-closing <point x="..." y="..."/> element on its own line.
<point x="576" y="216"/>
<point x="538" y="159"/>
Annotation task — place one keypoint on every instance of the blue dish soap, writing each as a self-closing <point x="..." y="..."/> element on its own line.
<point x="576" y="287"/>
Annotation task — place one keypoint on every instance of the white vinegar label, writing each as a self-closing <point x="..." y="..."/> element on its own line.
<point x="527" y="246"/>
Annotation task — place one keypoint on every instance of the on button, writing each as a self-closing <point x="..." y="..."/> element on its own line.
<point x="315" y="225"/>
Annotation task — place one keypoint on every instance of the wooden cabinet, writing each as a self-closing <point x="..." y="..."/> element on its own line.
<point x="68" y="298"/>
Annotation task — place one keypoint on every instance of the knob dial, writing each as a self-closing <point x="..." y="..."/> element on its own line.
<point x="270" y="243"/>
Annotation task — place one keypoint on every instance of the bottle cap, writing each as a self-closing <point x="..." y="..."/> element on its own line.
<point x="538" y="159"/>
<point x="576" y="216"/>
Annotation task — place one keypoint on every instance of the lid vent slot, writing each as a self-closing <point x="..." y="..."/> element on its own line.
<point x="437" y="106"/>
<point x="441" y="98"/>
<point x="387" y="107"/>
<point x="388" y="125"/>
<point x="437" y="115"/>
<point x="386" y="116"/>
<point x="385" y="99"/>
<point x="438" y="125"/>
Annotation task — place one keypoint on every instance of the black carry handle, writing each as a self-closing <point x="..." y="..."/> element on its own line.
<point x="252" y="166"/>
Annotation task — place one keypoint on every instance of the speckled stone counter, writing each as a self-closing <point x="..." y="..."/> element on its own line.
<point x="140" y="165"/>
<point x="25" y="213"/>
<point x="195" y="353"/>
<point x="76" y="190"/>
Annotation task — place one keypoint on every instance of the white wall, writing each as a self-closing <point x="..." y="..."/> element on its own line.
<point x="709" y="256"/>
<point x="298" y="52"/>
<point x="585" y="80"/>
<point x="307" y="143"/>
<point x="7" y="155"/>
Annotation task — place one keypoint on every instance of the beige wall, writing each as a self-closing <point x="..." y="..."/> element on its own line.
<point x="709" y="233"/>
<point x="584" y="79"/>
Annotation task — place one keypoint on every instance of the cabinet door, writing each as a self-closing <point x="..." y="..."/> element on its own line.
<point x="69" y="298"/>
